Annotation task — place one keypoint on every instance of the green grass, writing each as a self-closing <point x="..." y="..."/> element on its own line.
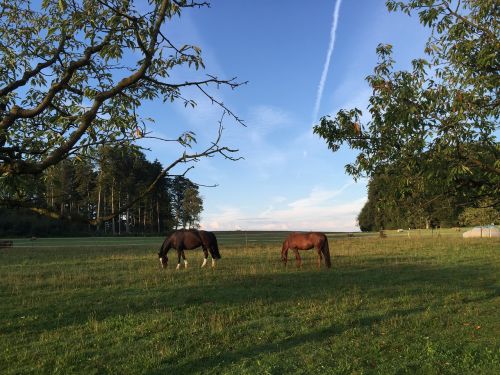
<point x="389" y="306"/>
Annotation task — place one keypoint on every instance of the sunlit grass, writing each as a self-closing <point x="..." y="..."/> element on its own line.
<point x="395" y="305"/>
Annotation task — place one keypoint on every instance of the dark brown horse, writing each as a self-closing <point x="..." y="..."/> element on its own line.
<point x="188" y="239"/>
<point x="306" y="241"/>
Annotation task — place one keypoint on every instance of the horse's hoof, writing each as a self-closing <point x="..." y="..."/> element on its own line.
<point x="178" y="266"/>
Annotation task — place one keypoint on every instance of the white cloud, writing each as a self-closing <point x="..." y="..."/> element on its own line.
<point x="226" y="219"/>
<point x="322" y="209"/>
<point x="268" y="117"/>
<point x="317" y="197"/>
<point x="265" y="119"/>
<point x="279" y="199"/>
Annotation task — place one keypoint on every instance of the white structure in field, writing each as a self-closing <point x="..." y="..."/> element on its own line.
<point x="486" y="232"/>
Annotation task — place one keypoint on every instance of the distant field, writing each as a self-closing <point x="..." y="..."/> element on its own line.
<point x="424" y="304"/>
<point x="234" y="238"/>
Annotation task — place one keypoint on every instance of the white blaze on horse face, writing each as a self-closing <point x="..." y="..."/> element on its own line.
<point x="178" y="266"/>
<point x="204" y="262"/>
<point x="161" y="262"/>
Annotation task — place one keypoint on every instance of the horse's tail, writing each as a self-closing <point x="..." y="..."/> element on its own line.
<point x="215" y="247"/>
<point x="326" y="253"/>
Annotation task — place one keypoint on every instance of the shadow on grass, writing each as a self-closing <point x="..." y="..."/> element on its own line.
<point x="199" y="365"/>
<point x="377" y="280"/>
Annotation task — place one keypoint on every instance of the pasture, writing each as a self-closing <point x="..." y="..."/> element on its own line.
<point x="424" y="304"/>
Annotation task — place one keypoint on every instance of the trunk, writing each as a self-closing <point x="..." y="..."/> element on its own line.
<point x="99" y="201"/>
<point x="104" y="211"/>
<point x="119" y="216"/>
<point x="113" y="205"/>
<point x="127" y="222"/>
<point x="139" y="217"/>
<point x="158" y="214"/>
<point x="151" y="216"/>
<point x="88" y="206"/>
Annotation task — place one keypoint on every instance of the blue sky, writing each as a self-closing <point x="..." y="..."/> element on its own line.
<point x="288" y="178"/>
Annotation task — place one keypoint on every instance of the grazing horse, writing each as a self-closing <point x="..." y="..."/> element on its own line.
<point x="306" y="241"/>
<point x="188" y="239"/>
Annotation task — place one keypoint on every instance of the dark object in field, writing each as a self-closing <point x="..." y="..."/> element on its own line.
<point x="382" y="234"/>
<point x="188" y="239"/>
<point x="6" y="243"/>
<point x="306" y="241"/>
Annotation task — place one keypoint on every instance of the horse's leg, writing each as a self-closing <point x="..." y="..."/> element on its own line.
<point x="284" y="252"/>
<point x="213" y="261"/>
<point x="298" y="260"/>
<point x="205" y="253"/>
<point x="284" y="256"/>
<point x="319" y="257"/>
<point x="212" y="255"/>
<point x="185" y="261"/>
<point x="179" y="253"/>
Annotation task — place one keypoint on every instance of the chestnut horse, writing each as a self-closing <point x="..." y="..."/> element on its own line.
<point x="306" y="241"/>
<point x="188" y="239"/>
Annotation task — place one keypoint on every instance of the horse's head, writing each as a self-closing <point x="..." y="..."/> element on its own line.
<point x="163" y="260"/>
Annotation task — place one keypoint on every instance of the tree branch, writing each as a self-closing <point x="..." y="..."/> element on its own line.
<point x="17" y="112"/>
<point x="31" y="73"/>
<point x="23" y="167"/>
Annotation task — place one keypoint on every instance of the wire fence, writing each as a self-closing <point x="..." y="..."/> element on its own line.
<point x="225" y="238"/>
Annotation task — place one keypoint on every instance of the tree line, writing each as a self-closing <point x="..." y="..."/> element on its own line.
<point x="74" y="193"/>
<point x="389" y="207"/>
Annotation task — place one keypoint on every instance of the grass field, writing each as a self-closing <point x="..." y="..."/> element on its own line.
<point x="424" y="304"/>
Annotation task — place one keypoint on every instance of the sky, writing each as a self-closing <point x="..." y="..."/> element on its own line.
<point x="302" y="60"/>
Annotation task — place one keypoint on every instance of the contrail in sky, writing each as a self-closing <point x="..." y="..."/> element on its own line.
<point x="322" y="81"/>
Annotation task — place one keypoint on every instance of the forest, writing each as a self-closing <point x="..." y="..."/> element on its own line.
<point x="70" y="195"/>
<point x="391" y="208"/>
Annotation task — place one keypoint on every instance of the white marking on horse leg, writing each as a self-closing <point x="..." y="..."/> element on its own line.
<point x="213" y="263"/>
<point x="185" y="263"/>
<point x="178" y="266"/>
<point x="204" y="263"/>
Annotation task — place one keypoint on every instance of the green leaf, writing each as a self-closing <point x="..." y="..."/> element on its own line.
<point x="62" y="5"/>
